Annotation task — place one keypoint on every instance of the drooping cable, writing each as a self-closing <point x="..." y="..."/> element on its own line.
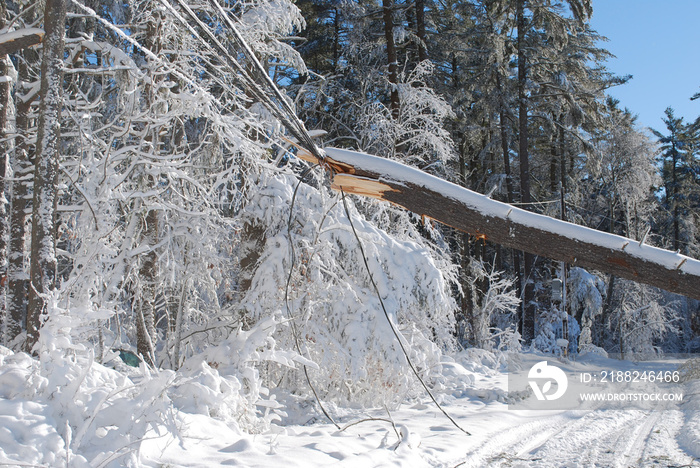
<point x="279" y="108"/>
<point x="388" y="318"/>
<point x="239" y="72"/>
<point x="305" y="140"/>
<point x="292" y="261"/>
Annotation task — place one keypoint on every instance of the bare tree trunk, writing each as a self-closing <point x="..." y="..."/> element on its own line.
<point x="387" y="6"/>
<point x="148" y="272"/>
<point x="528" y="304"/>
<point x="509" y="191"/>
<point x="42" y="271"/>
<point x="607" y="307"/>
<point x="420" y="30"/>
<point x="23" y="174"/>
<point x="145" y="321"/>
<point x="676" y="215"/>
<point x="4" y="152"/>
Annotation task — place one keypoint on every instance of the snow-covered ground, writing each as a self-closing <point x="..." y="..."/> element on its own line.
<point x="416" y="434"/>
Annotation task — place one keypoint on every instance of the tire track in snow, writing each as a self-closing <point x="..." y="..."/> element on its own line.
<point x="631" y="454"/>
<point x="661" y="448"/>
<point x="602" y="438"/>
<point x="501" y="444"/>
<point x="584" y="441"/>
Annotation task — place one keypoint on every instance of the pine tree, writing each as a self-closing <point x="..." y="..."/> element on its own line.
<point x="680" y="175"/>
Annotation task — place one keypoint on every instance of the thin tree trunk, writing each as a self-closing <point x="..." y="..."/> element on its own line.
<point x="336" y="39"/>
<point x="387" y="6"/>
<point x="148" y="272"/>
<point x="43" y="248"/>
<point x="17" y="276"/>
<point x="607" y="307"/>
<point x="4" y="152"/>
<point x="23" y="173"/>
<point x="519" y="278"/>
<point x="528" y="304"/>
<point x="676" y="226"/>
<point x="420" y="30"/>
<point x="145" y="324"/>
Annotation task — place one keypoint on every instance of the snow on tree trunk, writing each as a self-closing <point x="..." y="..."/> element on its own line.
<point x="148" y="273"/>
<point x="22" y="170"/>
<point x="43" y="247"/>
<point x="4" y="104"/>
<point x="503" y="224"/>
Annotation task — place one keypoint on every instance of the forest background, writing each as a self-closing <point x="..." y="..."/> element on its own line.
<point x="154" y="207"/>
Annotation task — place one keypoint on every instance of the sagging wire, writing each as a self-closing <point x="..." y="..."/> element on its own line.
<point x="388" y="318"/>
<point x="292" y="260"/>
<point x="296" y="127"/>
<point x="291" y="123"/>
<point x="282" y="111"/>
<point x="305" y="137"/>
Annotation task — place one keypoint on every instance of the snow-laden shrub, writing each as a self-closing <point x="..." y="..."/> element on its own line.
<point x="690" y="370"/>
<point x="550" y="335"/>
<point x="593" y="349"/>
<point x="640" y="320"/>
<point x="224" y="381"/>
<point x="546" y="339"/>
<point x="508" y="340"/>
<point x="494" y="306"/>
<point x="97" y="416"/>
<point x="334" y="314"/>
<point x="100" y="415"/>
<point x="479" y="360"/>
<point x="418" y="135"/>
<point x="585" y="296"/>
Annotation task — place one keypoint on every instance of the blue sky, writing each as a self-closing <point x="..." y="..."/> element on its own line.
<point x="658" y="42"/>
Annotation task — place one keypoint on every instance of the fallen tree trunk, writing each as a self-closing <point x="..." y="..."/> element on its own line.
<point x="21" y="39"/>
<point x="503" y="224"/>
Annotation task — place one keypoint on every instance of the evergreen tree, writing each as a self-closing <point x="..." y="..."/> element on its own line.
<point x="679" y="162"/>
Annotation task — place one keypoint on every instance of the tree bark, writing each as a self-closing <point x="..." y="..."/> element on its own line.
<point x="674" y="192"/>
<point x="145" y="321"/>
<point x="17" y="40"/>
<point x="43" y="248"/>
<point x="509" y="226"/>
<point x="420" y="30"/>
<point x="4" y="147"/>
<point x="387" y="6"/>
<point x="22" y="167"/>
<point x="528" y="305"/>
<point x="510" y="192"/>
<point x="145" y="299"/>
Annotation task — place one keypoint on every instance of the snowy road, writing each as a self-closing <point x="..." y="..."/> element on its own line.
<point x="595" y="438"/>
<point x="501" y="437"/>
<point x="475" y="396"/>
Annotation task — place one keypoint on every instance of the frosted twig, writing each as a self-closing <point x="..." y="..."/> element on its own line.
<point x="355" y="423"/>
<point x="644" y="237"/>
